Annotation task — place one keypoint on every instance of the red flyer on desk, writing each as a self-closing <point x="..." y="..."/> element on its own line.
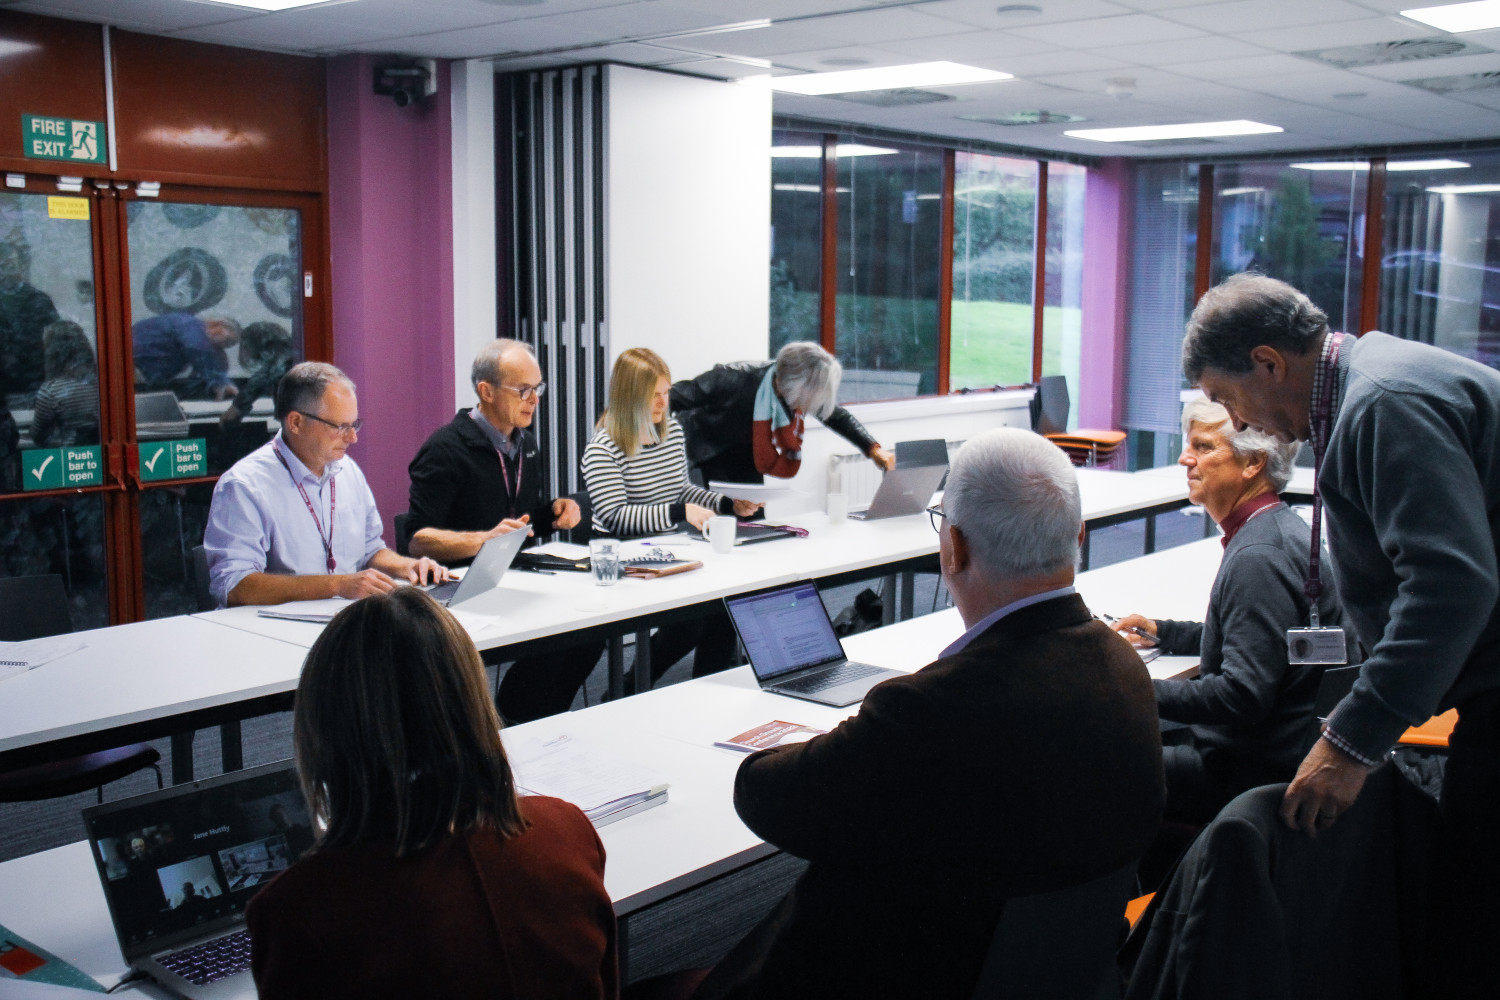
<point x="770" y="734"/>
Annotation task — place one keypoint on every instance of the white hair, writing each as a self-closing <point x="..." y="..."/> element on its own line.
<point x="808" y="377"/>
<point x="1247" y="444"/>
<point x="1014" y="495"/>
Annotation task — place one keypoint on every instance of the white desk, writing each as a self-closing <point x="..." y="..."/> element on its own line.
<point x="54" y="899"/>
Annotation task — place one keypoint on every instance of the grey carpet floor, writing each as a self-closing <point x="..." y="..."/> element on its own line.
<point x="28" y="827"/>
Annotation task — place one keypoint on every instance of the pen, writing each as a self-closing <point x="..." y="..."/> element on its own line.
<point x="1112" y="621"/>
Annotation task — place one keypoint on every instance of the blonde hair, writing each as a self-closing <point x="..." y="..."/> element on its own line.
<point x="631" y="386"/>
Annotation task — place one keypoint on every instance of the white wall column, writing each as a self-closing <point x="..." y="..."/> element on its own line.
<point x="475" y="302"/>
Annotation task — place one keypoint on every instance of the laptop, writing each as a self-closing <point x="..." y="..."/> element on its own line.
<point x="484" y="573"/>
<point x="903" y="490"/>
<point x="180" y="865"/>
<point x="793" y="649"/>
<point x="159" y="415"/>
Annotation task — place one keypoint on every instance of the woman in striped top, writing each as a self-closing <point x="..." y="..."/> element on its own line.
<point x="636" y="472"/>
<point x="67" y="403"/>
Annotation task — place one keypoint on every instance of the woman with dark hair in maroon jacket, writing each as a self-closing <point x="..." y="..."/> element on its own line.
<point x="429" y="877"/>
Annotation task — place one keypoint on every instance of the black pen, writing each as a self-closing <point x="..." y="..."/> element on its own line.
<point x="1112" y="622"/>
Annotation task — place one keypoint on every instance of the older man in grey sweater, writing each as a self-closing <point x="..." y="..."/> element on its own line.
<point x="1410" y="478"/>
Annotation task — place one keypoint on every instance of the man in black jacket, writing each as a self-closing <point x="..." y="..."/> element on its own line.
<point x="477" y="477"/>
<point x="1026" y="758"/>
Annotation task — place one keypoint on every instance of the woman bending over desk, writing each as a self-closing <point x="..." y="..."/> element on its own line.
<point x="430" y="877"/>
<point x="637" y="477"/>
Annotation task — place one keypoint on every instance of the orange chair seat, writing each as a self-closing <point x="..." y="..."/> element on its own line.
<point x="1432" y="733"/>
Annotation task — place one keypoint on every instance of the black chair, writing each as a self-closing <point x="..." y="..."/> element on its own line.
<point x="201" y="594"/>
<point x="33" y="607"/>
<point x="1059" y="945"/>
<point x="402" y="549"/>
<point x="585" y="530"/>
<point x="1332" y="688"/>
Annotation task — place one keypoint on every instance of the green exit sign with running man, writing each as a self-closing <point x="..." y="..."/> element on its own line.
<point x="68" y="139"/>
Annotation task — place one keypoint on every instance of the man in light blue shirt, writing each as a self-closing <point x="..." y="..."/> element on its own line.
<point x="295" y="520"/>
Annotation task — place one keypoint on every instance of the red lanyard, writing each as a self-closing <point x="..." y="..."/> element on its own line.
<point x="513" y="498"/>
<point x="332" y="506"/>
<point x="1322" y="419"/>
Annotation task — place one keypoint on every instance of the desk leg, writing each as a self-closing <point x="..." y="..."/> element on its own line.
<point x="642" y="661"/>
<point x="182" y="757"/>
<point x="888" y="605"/>
<point x="231" y="747"/>
<point x="908" y="593"/>
<point x="1150" y="534"/>
<point x="1083" y="551"/>
<point x="616" y="666"/>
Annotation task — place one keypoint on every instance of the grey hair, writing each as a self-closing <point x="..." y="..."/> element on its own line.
<point x="1248" y="443"/>
<point x="303" y="386"/>
<point x="808" y="377"/>
<point x="1241" y="313"/>
<point x="491" y="356"/>
<point x="1014" y="495"/>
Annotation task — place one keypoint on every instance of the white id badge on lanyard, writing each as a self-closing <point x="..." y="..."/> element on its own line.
<point x="1317" y="644"/>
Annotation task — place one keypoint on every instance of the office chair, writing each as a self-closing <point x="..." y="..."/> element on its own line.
<point x="33" y="607"/>
<point x="1059" y="945"/>
<point x="399" y="527"/>
<point x="1049" y="416"/>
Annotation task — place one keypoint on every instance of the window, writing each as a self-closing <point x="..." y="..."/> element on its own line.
<point x="1062" y="312"/>
<point x="796" y="236"/>
<point x="994" y="266"/>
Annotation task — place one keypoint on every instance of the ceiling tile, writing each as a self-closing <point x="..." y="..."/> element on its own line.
<point x="1062" y="61"/>
<point x="1252" y="15"/>
<point x="1183" y="50"/>
<point x="966" y="47"/>
<point x="1423" y="68"/>
<point x="1254" y="67"/>
<point x="816" y="61"/>
<point x="1125" y="29"/>
<point x="1363" y="31"/>
<point x="634" y="20"/>
<point x="152" y="15"/>
<point x="268" y="32"/>
<point x="982" y="13"/>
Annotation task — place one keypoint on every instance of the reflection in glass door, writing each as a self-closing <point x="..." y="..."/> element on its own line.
<point x="216" y="319"/>
<point x="49" y="400"/>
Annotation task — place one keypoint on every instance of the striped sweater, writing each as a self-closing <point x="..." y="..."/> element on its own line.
<point x="645" y="493"/>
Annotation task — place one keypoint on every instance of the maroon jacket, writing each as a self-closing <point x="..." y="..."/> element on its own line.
<point x="475" y="916"/>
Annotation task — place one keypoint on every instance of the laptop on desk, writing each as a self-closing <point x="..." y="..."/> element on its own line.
<point x="180" y="865"/>
<point x="159" y="415"/>
<point x="793" y="649"/>
<point x="903" y="490"/>
<point x="484" y="573"/>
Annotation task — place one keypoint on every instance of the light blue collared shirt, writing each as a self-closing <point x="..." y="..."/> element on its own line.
<point x="259" y="524"/>
<point x="1000" y="613"/>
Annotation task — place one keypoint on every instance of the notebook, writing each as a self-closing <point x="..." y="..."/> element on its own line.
<point x="793" y="649"/>
<point x="904" y="490"/>
<point x="180" y="865"/>
<point x="484" y="573"/>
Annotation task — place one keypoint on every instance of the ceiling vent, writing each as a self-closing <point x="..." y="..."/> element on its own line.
<point x="1457" y="84"/>
<point x="900" y="97"/>
<point x="1026" y="118"/>
<point x="1380" y="53"/>
<point x="1168" y="143"/>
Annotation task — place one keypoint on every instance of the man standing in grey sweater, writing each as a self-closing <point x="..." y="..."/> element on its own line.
<point x="1409" y="441"/>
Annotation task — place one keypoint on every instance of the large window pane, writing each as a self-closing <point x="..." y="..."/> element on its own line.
<point x="49" y="376"/>
<point x="1062" y="315"/>
<point x="796" y="236"/>
<point x="1440" y="263"/>
<point x="216" y="319"/>
<point x="62" y="536"/>
<point x="890" y="225"/>
<point x="1302" y="223"/>
<point x="994" y="262"/>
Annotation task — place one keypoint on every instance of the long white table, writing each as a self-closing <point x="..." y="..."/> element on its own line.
<point x="54" y="898"/>
<point x="185" y="673"/>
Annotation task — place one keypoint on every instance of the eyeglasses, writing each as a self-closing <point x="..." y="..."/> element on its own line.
<point x="342" y="429"/>
<point x="935" y="514"/>
<point x="527" y="391"/>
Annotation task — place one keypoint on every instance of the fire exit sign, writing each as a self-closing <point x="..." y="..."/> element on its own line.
<point x="63" y="139"/>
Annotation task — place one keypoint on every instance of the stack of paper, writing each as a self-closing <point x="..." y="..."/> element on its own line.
<point x="604" y="786"/>
<point x="19" y="657"/>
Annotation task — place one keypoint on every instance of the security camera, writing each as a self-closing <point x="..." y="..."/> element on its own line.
<point x="408" y="82"/>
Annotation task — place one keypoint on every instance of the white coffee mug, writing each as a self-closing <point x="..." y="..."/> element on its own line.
<point x="838" y="507"/>
<point x="720" y="532"/>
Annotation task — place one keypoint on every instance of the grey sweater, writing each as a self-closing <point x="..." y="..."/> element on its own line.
<point x="1411" y="487"/>
<point x="1247" y="701"/>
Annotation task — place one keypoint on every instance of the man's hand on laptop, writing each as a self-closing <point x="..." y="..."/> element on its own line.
<point x="424" y="571"/>
<point x="364" y="583"/>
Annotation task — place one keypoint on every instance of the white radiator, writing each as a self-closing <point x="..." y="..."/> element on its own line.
<point x="859" y="476"/>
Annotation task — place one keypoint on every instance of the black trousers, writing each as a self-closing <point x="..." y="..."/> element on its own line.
<point x="711" y="639"/>
<point x="538" y="686"/>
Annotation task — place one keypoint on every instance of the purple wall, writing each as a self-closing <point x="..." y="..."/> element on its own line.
<point x="390" y="210"/>
<point x="1106" y="256"/>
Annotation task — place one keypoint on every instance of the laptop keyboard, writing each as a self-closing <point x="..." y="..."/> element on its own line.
<point x="831" y="678"/>
<point x="211" y="961"/>
<point x="443" y="592"/>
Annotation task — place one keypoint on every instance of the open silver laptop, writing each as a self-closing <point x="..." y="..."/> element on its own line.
<point x="794" y="650"/>
<point x="159" y="415"/>
<point x="180" y="865"/>
<point x="484" y="573"/>
<point x="904" y="490"/>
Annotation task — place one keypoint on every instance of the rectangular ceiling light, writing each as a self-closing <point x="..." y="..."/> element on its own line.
<point x="842" y="149"/>
<point x="1459" y="16"/>
<point x="1191" y="130"/>
<point x="848" y="81"/>
<point x="1465" y="189"/>
<point x="1395" y="167"/>
<point x="271" y="5"/>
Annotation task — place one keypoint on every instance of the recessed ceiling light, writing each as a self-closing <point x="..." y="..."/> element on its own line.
<point x="1241" y="190"/>
<point x="844" y="61"/>
<point x="1459" y="16"/>
<point x="932" y="74"/>
<point x="1465" y="189"/>
<point x="1351" y="95"/>
<point x="1395" y="167"/>
<point x="272" y="5"/>
<point x="842" y="149"/>
<point x="1018" y="10"/>
<point x="1190" y="130"/>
